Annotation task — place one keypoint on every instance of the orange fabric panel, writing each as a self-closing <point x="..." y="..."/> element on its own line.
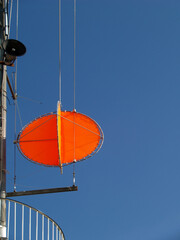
<point x="38" y="141"/>
<point x="80" y="136"/>
<point x="55" y="141"/>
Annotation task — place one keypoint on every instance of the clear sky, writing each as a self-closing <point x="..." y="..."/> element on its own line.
<point x="127" y="79"/>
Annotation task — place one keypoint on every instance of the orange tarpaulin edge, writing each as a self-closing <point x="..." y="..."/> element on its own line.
<point x="59" y="132"/>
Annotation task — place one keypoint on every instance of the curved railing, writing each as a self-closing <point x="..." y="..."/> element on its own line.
<point x="27" y="223"/>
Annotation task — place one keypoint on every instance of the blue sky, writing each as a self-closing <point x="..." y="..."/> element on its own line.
<point x="127" y="79"/>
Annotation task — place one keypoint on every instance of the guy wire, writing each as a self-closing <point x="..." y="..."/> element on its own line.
<point x="15" y="146"/>
<point x="17" y="26"/>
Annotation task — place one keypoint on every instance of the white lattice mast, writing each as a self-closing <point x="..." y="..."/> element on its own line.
<point x="3" y="37"/>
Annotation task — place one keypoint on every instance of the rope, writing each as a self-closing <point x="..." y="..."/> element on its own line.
<point x="60" y="51"/>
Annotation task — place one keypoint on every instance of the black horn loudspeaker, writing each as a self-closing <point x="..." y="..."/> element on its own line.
<point x="14" y="48"/>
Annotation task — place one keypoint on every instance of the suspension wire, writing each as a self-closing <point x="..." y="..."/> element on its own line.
<point x="15" y="101"/>
<point x="74" y="54"/>
<point x="10" y="16"/>
<point x="17" y="26"/>
<point x="17" y="19"/>
<point x="74" y="88"/>
<point x="74" y="179"/>
<point x="60" y="51"/>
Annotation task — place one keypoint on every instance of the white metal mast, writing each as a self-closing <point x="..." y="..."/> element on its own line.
<point x="3" y="76"/>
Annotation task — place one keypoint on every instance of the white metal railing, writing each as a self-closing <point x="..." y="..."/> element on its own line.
<point x="27" y="223"/>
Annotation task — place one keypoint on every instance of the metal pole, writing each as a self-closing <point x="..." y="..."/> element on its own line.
<point x="3" y="36"/>
<point x="42" y="191"/>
